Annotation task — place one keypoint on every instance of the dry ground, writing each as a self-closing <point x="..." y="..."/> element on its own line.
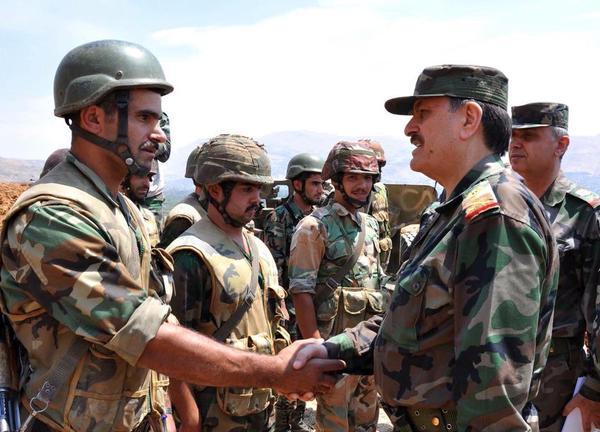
<point x="9" y="192"/>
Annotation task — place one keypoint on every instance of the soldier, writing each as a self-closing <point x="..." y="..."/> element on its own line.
<point x="378" y="205"/>
<point x="75" y="280"/>
<point x="155" y="198"/>
<point x="467" y="334"/>
<point x="136" y="188"/>
<point x="335" y="278"/>
<point x="56" y="157"/>
<point x="189" y="210"/>
<point x="215" y="276"/>
<point x="539" y="141"/>
<point x="304" y="173"/>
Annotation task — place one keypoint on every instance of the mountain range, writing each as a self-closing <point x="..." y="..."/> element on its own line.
<point x="581" y="162"/>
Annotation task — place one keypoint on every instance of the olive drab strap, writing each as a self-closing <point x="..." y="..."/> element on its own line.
<point x="225" y="330"/>
<point x="58" y="379"/>
<point x="335" y="281"/>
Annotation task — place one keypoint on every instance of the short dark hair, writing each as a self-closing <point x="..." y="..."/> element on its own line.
<point x="495" y="121"/>
<point x="108" y="104"/>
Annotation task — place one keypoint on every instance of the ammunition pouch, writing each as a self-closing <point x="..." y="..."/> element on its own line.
<point x="243" y="401"/>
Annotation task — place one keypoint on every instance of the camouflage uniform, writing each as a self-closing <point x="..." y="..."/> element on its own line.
<point x="378" y="208"/>
<point x="73" y="267"/>
<point x="206" y="297"/>
<point x="467" y="334"/>
<point x="182" y="216"/>
<point x="212" y="275"/>
<point x="574" y="214"/>
<point x="322" y="243"/>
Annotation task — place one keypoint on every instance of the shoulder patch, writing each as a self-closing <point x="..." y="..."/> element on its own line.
<point x="479" y="200"/>
<point x="589" y="197"/>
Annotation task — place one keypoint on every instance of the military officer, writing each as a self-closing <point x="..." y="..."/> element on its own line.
<point x="189" y="210"/>
<point x="304" y="173"/>
<point x="539" y="141"/>
<point x="335" y="278"/>
<point x="378" y="205"/>
<point x="75" y="267"/>
<point x="464" y="341"/>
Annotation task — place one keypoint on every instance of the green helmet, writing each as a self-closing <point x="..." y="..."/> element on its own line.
<point x="91" y="71"/>
<point x="232" y="157"/>
<point x="190" y="165"/>
<point x="350" y="157"/>
<point x="303" y="162"/>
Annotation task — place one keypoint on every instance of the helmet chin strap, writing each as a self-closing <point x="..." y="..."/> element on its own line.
<point x="120" y="146"/>
<point x="352" y="201"/>
<point x="221" y="208"/>
<point x="302" y="193"/>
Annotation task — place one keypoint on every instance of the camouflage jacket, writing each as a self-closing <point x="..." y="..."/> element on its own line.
<point x="182" y="216"/>
<point x="278" y="231"/>
<point x="151" y="225"/>
<point x="322" y="243"/>
<point x="378" y="208"/>
<point x="76" y="264"/>
<point x="469" y="325"/>
<point x="575" y="217"/>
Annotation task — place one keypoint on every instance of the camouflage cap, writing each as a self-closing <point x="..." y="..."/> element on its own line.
<point x="232" y="157"/>
<point x="482" y="83"/>
<point x="350" y="157"/>
<point x="540" y="114"/>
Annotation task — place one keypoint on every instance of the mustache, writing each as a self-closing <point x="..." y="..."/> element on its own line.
<point x="148" y="145"/>
<point x="416" y="139"/>
<point x="254" y="207"/>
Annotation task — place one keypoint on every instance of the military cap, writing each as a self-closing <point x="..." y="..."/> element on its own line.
<point x="540" y="114"/>
<point x="481" y="83"/>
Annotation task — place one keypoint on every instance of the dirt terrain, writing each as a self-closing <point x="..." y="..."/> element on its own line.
<point x="9" y="192"/>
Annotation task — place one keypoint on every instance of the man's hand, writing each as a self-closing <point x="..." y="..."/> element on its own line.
<point x="306" y="374"/>
<point x="590" y="411"/>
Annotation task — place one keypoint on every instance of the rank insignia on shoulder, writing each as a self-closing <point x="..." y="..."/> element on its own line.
<point x="590" y="197"/>
<point x="479" y="200"/>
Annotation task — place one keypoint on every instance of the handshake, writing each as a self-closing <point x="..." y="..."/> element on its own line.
<point x="303" y="370"/>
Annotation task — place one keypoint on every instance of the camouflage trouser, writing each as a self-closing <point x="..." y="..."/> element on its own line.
<point x="350" y="406"/>
<point x="155" y="205"/>
<point x="563" y="368"/>
<point x="214" y="419"/>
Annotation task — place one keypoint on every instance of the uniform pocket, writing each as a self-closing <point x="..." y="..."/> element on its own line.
<point x="326" y="312"/>
<point x="400" y="324"/>
<point x="355" y="303"/>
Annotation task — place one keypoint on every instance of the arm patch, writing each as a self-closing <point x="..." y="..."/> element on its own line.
<point x="479" y="200"/>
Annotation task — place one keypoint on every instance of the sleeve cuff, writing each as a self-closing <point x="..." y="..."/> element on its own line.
<point x="130" y="341"/>
<point x="301" y="289"/>
<point x="591" y="389"/>
<point x="340" y="347"/>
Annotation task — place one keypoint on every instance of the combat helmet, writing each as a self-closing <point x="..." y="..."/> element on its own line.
<point x="227" y="159"/>
<point x="303" y="163"/>
<point x="232" y="158"/>
<point x="190" y="165"/>
<point x="350" y="158"/>
<point x="377" y="148"/>
<point x="91" y="71"/>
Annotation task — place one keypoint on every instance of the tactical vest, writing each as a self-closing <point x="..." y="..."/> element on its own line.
<point x="151" y="225"/>
<point x="189" y="209"/>
<point x="347" y="305"/>
<point x="128" y="394"/>
<point x="230" y="274"/>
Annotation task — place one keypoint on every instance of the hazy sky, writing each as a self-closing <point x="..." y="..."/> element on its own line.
<point x="256" y="67"/>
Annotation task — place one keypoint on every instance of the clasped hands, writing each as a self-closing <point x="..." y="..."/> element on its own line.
<point x="305" y="370"/>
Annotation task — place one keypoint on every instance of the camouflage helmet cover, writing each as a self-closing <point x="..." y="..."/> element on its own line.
<point x="232" y="158"/>
<point x="350" y="157"/>
<point x="303" y="162"/>
<point x="90" y="71"/>
<point x="377" y="149"/>
<point x="190" y="165"/>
